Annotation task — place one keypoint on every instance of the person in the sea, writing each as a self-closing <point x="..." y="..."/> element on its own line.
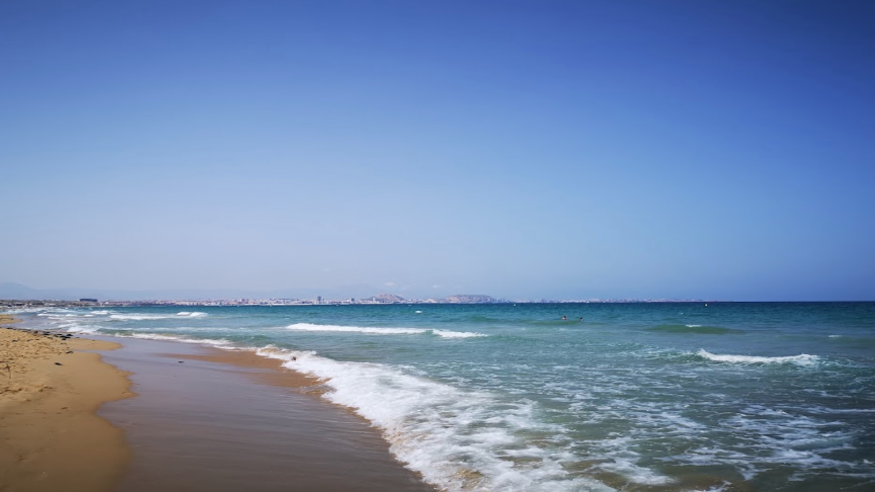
<point x="581" y="320"/>
<point x="565" y="317"/>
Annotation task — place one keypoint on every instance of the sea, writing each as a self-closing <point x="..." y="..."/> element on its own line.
<point x="667" y="397"/>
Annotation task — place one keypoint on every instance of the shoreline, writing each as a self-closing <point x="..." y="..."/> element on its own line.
<point x="208" y="419"/>
<point x="51" y="437"/>
<point x="203" y="419"/>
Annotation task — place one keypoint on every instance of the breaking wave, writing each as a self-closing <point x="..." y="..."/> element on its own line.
<point x="144" y="317"/>
<point x="383" y="331"/>
<point x="457" y="439"/>
<point x="801" y="359"/>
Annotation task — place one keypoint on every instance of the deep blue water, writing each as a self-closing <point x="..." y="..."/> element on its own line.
<point x="668" y="397"/>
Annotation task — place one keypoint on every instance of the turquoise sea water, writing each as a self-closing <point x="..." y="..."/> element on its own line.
<point x="661" y="397"/>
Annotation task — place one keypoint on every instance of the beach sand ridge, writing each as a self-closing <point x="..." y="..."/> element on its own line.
<point x="51" y="385"/>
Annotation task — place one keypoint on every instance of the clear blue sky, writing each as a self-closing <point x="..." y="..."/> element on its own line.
<point x="579" y="149"/>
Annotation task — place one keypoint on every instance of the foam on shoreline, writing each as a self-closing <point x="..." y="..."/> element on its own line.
<point x="212" y="419"/>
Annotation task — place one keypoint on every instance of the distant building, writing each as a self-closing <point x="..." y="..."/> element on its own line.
<point x="469" y="299"/>
<point x="87" y="299"/>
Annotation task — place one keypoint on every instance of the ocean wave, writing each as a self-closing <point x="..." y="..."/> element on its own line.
<point x="76" y="328"/>
<point x="806" y="443"/>
<point x="456" y="334"/>
<point x="383" y="331"/>
<point x="145" y="317"/>
<point x="138" y="317"/>
<point x="801" y="359"/>
<point x="457" y="439"/>
<point x="716" y="488"/>
<point x="218" y="343"/>
<point x="634" y="472"/>
<point x="26" y="310"/>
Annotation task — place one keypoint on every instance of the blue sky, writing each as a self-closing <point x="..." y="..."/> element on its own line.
<point x="677" y="149"/>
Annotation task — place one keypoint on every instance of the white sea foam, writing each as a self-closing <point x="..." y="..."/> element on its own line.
<point x="138" y="317"/>
<point x="74" y="323"/>
<point x="693" y="326"/>
<point x="801" y="442"/>
<point x="801" y="359"/>
<point x="717" y="488"/>
<point x="383" y="331"/>
<point x="25" y="310"/>
<point x="223" y="344"/>
<point x="356" y="329"/>
<point x="458" y="440"/>
<point x="144" y="317"/>
<point x="636" y="473"/>
<point x="76" y="328"/>
<point x="457" y="334"/>
<point x="618" y="455"/>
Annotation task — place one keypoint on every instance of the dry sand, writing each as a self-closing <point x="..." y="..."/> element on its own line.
<point x="50" y="437"/>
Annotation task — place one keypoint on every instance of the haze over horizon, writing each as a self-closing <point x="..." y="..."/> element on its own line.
<point x="565" y="150"/>
<point x="16" y="291"/>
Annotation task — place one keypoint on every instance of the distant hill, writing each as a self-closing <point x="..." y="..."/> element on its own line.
<point x="11" y="290"/>
<point x="385" y="299"/>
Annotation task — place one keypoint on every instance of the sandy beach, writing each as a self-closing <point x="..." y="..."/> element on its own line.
<point x="201" y="419"/>
<point x="51" y="386"/>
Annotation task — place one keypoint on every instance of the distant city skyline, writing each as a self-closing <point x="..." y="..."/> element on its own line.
<point x="14" y="291"/>
<point x="561" y="150"/>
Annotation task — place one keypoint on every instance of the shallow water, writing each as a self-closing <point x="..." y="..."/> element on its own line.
<point x="674" y="397"/>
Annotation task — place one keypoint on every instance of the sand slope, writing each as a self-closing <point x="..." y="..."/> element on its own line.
<point x="50" y="437"/>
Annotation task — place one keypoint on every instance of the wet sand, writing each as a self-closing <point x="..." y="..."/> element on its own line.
<point x="203" y="419"/>
<point x="212" y="420"/>
<point x="50" y="438"/>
